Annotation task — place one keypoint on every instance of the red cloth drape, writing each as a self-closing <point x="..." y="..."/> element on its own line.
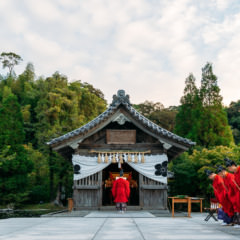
<point x="120" y="190"/>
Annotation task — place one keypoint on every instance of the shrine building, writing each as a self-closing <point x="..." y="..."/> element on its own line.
<point x="118" y="138"/>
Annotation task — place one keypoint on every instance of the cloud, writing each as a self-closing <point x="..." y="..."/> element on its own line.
<point x="44" y="10"/>
<point x="146" y="47"/>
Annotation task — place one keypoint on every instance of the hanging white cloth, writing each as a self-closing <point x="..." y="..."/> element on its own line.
<point x="154" y="166"/>
<point x="88" y="165"/>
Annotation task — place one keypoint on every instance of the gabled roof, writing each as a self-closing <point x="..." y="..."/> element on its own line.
<point x="123" y="100"/>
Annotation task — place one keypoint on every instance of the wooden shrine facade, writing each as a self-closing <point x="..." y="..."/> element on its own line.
<point x="120" y="137"/>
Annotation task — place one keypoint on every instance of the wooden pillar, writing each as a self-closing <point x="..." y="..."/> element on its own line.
<point x="70" y="204"/>
<point x="189" y="206"/>
<point x="140" y="190"/>
<point x="100" y="189"/>
<point x="172" y="207"/>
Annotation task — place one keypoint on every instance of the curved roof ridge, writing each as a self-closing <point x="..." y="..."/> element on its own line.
<point x="121" y="99"/>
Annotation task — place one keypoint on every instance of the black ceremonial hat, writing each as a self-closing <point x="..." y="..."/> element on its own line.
<point x="208" y="172"/>
<point x="220" y="169"/>
<point x="229" y="162"/>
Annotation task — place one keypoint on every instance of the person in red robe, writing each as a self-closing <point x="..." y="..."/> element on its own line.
<point x="235" y="169"/>
<point x="221" y="195"/>
<point x="121" y="193"/>
<point x="232" y="191"/>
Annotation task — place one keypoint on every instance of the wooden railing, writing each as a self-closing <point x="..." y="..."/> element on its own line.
<point x="147" y="183"/>
<point x="90" y="182"/>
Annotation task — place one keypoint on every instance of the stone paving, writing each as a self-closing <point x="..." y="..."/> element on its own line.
<point x="108" y="226"/>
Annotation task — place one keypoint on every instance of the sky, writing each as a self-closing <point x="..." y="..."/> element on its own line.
<point x="146" y="47"/>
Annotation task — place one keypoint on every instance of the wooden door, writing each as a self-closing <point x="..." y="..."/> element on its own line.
<point x="153" y="194"/>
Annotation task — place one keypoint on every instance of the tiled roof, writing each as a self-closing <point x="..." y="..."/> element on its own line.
<point x="122" y="99"/>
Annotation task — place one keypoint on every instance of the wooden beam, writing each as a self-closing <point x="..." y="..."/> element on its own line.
<point x="147" y="146"/>
<point x="87" y="187"/>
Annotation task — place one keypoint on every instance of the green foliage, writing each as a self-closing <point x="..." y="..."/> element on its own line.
<point x="33" y="111"/>
<point x="190" y="111"/>
<point x="149" y="107"/>
<point x="11" y="123"/>
<point x="189" y="176"/>
<point x="14" y="162"/>
<point x="62" y="107"/>
<point x="164" y="117"/>
<point x="39" y="193"/>
<point x="233" y="112"/>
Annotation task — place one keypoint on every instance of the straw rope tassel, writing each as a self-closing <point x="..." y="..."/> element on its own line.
<point x="99" y="158"/>
<point x="113" y="158"/>
<point x="136" y="158"/>
<point x="106" y="158"/>
<point x="129" y="157"/>
<point x="142" y="159"/>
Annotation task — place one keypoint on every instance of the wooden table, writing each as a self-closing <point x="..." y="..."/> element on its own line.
<point x="187" y="200"/>
<point x="197" y="200"/>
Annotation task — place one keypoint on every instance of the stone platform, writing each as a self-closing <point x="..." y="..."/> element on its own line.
<point x="101" y="225"/>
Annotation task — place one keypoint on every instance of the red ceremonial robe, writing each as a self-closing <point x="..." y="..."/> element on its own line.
<point x="233" y="191"/>
<point x="221" y="195"/>
<point x="237" y="180"/>
<point x="237" y="176"/>
<point x="121" y="190"/>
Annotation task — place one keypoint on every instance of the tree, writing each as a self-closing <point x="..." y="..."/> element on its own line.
<point x="164" y="117"/>
<point x="215" y="129"/>
<point x="14" y="162"/>
<point x="233" y="112"/>
<point x="187" y="118"/>
<point x="62" y="107"/>
<point x="149" y="107"/>
<point x="201" y="116"/>
<point x="31" y="113"/>
<point x="210" y="91"/>
<point x="39" y="182"/>
<point x="11" y="122"/>
<point x="9" y="60"/>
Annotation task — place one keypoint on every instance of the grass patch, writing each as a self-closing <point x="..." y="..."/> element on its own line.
<point x="30" y="210"/>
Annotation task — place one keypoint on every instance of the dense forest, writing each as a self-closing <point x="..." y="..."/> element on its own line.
<point x="34" y="110"/>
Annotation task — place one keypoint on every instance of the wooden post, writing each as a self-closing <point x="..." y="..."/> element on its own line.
<point x="70" y="204"/>
<point x="100" y="189"/>
<point x="140" y="190"/>
<point x="201" y="205"/>
<point x="189" y="207"/>
<point x="173" y="207"/>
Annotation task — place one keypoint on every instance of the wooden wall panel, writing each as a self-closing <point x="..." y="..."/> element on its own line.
<point x="87" y="192"/>
<point x="153" y="195"/>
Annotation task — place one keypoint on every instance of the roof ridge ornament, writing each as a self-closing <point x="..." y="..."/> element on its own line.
<point x="120" y="98"/>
